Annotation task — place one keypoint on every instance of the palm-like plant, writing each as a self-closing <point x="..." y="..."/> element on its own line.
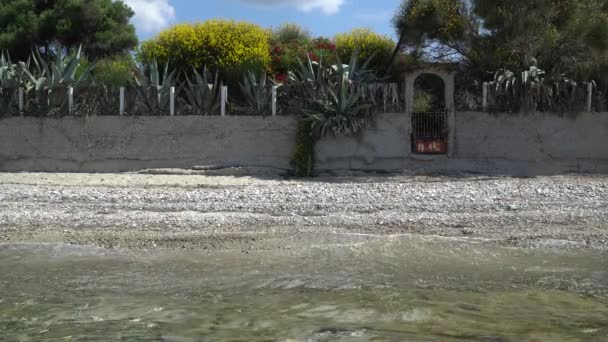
<point x="11" y="75"/>
<point x="46" y="83"/>
<point x="203" y="93"/>
<point x="154" y="90"/>
<point x="9" y="84"/>
<point x="342" y="110"/>
<point x="335" y="102"/>
<point x="534" y="89"/>
<point x="257" y="92"/>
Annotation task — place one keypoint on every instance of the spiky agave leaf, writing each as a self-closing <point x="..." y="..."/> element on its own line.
<point x="202" y="95"/>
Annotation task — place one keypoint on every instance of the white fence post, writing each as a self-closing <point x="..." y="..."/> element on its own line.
<point x="121" y="106"/>
<point x="172" y="101"/>
<point x="224" y="100"/>
<point x="70" y="100"/>
<point x="274" y="100"/>
<point x="589" y="97"/>
<point x="21" y="102"/>
<point x="484" y="96"/>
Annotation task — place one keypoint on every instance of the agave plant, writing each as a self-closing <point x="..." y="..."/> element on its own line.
<point x="46" y="83"/>
<point x="355" y="72"/>
<point x="11" y="75"/>
<point x="9" y="84"/>
<point x="533" y="90"/>
<point x="332" y="96"/>
<point x="154" y="90"/>
<point x="257" y="92"/>
<point x="342" y="110"/>
<point x="63" y="72"/>
<point x="203" y="93"/>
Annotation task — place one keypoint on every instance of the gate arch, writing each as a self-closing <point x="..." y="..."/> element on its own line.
<point x="431" y="129"/>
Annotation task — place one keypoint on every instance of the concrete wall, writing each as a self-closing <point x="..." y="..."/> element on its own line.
<point x="112" y="143"/>
<point x="513" y="144"/>
<point x="526" y="144"/>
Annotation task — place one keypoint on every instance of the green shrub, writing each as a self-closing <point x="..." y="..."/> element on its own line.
<point x="230" y="46"/>
<point x="368" y="43"/>
<point x="286" y="57"/>
<point x="114" y="71"/>
<point x="290" y="33"/>
<point x="303" y="158"/>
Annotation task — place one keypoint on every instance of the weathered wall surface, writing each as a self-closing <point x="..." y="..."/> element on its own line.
<point x="114" y="144"/>
<point x="522" y="144"/>
<point x="525" y="144"/>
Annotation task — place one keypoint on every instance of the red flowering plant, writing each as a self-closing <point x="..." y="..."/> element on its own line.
<point x="285" y="57"/>
<point x="323" y="49"/>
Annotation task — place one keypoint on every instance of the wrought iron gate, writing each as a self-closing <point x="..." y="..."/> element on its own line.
<point x="430" y="131"/>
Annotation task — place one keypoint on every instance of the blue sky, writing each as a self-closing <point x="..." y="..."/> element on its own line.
<point x="321" y="17"/>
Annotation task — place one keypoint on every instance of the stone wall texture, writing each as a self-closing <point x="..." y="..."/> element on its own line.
<point x="513" y="144"/>
<point x="116" y="144"/>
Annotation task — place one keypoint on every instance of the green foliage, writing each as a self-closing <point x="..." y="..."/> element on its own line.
<point x="441" y="20"/>
<point x="285" y="57"/>
<point x="340" y="110"/>
<point x="331" y="97"/>
<point x="303" y="157"/>
<point x="422" y="101"/>
<point x="330" y="100"/>
<point x="203" y="92"/>
<point x="567" y="36"/>
<point x="12" y="75"/>
<point x="368" y="43"/>
<point x="563" y="35"/>
<point x="62" y="73"/>
<point x="257" y="92"/>
<point x="115" y="71"/>
<point x="153" y="88"/>
<point x="45" y="83"/>
<point x="229" y="46"/>
<point x="100" y="26"/>
<point x="11" y="78"/>
<point x="290" y="34"/>
<point x="534" y="89"/>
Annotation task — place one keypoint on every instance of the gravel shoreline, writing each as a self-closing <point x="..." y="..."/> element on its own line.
<point x="221" y="212"/>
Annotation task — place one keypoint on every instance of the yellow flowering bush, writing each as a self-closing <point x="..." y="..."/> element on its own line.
<point x="368" y="42"/>
<point x="231" y="46"/>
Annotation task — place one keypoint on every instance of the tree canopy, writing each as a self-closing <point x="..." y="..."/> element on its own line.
<point x="566" y="36"/>
<point x="101" y="26"/>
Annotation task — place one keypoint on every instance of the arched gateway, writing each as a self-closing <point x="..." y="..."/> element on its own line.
<point x="429" y="95"/>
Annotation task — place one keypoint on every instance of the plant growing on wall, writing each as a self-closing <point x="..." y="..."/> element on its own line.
<point x="331" y="103"/>
<point x="303" y="157"/>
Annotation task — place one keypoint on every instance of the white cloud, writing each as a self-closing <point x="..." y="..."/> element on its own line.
<point x="151" y="16"/>
<point x="326" y="6"/>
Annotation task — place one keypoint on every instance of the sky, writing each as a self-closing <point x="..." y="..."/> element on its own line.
<point x="320" y="17"/>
